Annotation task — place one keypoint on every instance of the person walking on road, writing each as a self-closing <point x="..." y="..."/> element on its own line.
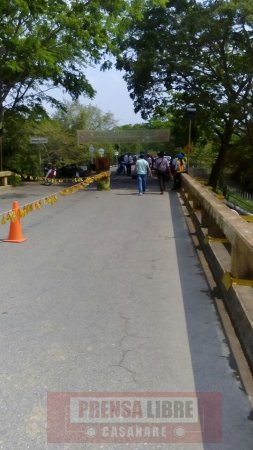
<point x="128" y="160"/>
<point x="162" y="167"/>
<point x="50" y="176"/>
<point x="179" y="168"/>
<point x="142" y="169"/>
<point x="121" y="170"/>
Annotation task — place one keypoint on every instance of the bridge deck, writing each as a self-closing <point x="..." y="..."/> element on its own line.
<point x="107" y="295"/>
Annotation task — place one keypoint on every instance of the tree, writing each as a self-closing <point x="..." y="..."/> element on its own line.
<point x="194" y="53"/>
<point x="46" y="44"/>
<point x="20" y="156"/>
<point x="62" y="148"/>
<point x="75" y="116"/>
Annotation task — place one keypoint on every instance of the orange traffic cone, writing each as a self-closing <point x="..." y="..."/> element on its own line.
<point x="15" y="232"/>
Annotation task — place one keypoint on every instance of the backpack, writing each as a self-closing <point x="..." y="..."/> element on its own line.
<point x="162" y="166"/>
<point x="180" y="165"/>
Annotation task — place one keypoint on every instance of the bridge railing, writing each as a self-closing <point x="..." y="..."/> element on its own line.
<point x="227" y="241"/>
<point x="4" y="177"/>
<point x="219" y="222"/>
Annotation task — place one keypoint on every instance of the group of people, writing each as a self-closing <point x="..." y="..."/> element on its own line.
<point x="125" y="163"/>
<point x="164" y="167"/>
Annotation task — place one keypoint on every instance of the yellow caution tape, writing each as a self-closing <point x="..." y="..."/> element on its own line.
<point x="228" y="281"/>
<point x="247" y="218"/>
<point x="216" y="239"/>
<point x="52" y="199"/>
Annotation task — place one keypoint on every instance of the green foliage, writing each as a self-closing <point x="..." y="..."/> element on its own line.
<point x="151" y="148"/>
<point x="61" y="144"/>
<point x="104" y="185"/>
<point x="194" y="53"/>
<point x="74" y="116"/>
<point x="239" y="166"/>
<point x="46" y="44"/>
<point x="62" y="148"/>
<point x="17" y="154"/>
<point x="203" y="156"/>
<point x="238" y="200"/>
<point x="25" y="164"/>
<point x="15" y="180"/>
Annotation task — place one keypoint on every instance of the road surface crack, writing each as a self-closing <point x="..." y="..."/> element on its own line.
<point x="122" y="362"/>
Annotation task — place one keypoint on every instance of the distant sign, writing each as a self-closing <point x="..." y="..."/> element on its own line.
<point x="38" y="140"/>
<point x="191" y="112"/>
<point x="123" y="136"/>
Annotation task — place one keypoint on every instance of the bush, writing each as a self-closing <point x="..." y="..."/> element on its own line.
<point x="15" y="180"/>
<point x="26" y="164"/>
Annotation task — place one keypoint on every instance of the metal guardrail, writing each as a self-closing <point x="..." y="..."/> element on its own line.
<point x="239" y="204"/>
<point x="239" y="198"/>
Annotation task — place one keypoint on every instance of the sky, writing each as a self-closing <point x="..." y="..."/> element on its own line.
<point x="112" y="95"/>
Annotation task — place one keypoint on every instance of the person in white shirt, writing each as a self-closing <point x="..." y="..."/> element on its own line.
<point x="128" y="160"/>
<point x="142" y="169"/>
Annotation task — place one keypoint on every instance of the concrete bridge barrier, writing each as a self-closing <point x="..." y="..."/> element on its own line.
<point x="227" y="241"/>
<point x="4" y="177"/>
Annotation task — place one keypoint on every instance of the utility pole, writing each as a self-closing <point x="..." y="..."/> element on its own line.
<point x="191" y="113"/>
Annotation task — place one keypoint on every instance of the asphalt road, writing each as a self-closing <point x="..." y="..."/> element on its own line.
<point x="107" y="295"/>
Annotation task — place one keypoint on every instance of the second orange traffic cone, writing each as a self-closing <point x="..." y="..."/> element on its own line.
<point x="15" y="232"/>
